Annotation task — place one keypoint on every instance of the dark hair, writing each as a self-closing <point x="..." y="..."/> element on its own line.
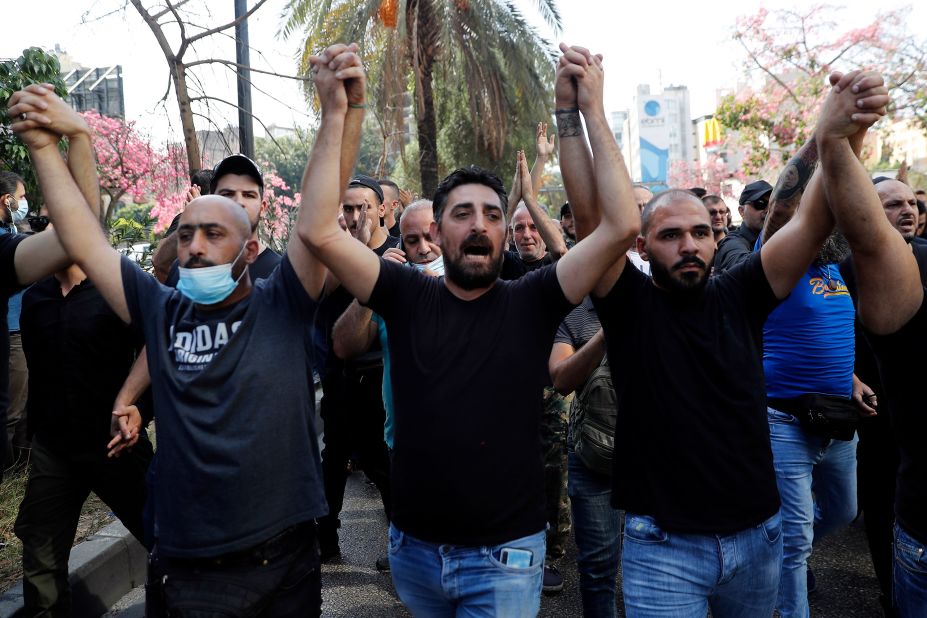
<point x="202" y="179"/>
<point x="921" y="207"/>
<point x="698" y="191"/>
<point x="708" y="200"/>
<point x="8" y="182"/>
<point x="473" y="175"/>
<point x="386" y="182"/>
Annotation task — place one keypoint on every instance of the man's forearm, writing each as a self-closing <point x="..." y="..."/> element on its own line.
<point x="351" y="335"/>
<point x="576" y="168"/>
<point x="572" y="373"/>
<point x="164" y="256"/>
<point x="322" y="188"/>
<point x="786" y="196"/>
<point x="83" y="167"/>
<point x="614" y="191"/>
<point x="350" y="140"/>
<point x="537" y="174"/>
<point x="552" y="238"/>
<point x="136" y="382"/>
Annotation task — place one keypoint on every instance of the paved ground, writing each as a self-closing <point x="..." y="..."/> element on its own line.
<point x="353" y="588"/>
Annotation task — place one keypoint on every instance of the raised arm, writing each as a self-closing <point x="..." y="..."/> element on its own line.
<point x="786" y="195"/>
<point x="599" y="257"/>
<point x="78" y="229"/>
<point x="890" y="288"/>
<point x="548" y="232"/>
<point x="575" y="157"/>
<point x="787" y="254"/>
<point x="544" y="149"/>
<point x="351" y="261"/>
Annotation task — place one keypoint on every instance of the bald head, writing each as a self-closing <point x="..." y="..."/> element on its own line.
<point x="666" y="199"/>
<point x="216" y="209"/>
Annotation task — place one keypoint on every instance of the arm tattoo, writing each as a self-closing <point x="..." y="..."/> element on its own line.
<point x="569" y="124"/>
<point x="794" y="178"/>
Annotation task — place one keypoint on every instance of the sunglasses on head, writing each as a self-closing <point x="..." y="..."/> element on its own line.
<point x="38" y="223"/>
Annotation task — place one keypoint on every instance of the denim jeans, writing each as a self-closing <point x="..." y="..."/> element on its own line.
<point x="450" y="580"/>
<point x="807" y="466"/>
<point x="669" y="574"/>
<point x="910" y="576"/>
<point x="280" y="578"/>
<point x="597" y="531"/>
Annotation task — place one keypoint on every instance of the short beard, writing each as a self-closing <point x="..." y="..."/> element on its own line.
<point x="691" y="283"/>
<point x="835" y="250"/>
<point x="469" y="278"/>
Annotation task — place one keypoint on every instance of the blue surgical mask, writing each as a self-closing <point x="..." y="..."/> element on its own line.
<point x="210" y="284"/>
<point x="22" y="209"/>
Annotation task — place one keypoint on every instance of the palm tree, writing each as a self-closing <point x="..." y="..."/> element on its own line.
<point x="483" y="48"/>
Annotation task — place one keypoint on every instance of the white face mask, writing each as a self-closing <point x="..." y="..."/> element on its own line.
<point x="22" y="209"/>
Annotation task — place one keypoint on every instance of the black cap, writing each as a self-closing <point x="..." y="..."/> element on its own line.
<point x="236" y="164"/>
<point x="368" y="183"/>
<point x="755" y="191"/>
<point x="879" y="179"/>
<point x="565" y="209"/>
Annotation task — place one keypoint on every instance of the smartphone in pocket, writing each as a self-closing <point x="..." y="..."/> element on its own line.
<point x="518" y="558"/>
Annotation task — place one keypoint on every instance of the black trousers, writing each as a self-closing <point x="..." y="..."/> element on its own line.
<point x="352" y="410"/>
<point x="56" y="490"/>
<point x="877" y="470"/>
<point x="278" y="578"/>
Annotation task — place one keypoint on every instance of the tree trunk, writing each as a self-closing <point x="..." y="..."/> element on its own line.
<point x="179" y="75"/>
<point x="427" y="125"/>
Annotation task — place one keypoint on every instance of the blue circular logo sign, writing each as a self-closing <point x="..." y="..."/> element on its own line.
<point x="651" y="108"/>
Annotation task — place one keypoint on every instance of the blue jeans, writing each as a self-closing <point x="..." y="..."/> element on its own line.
<point x="909" y="576"/>
<point x="676" y="575"/>
<point x="808" y="466"/>
<point x="597" y="530"/>
<point x="452" y="580"/>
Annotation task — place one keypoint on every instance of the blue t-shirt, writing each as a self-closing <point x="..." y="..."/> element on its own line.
<point x="387" y="381"/>
<point x="238" y="459"/>
<point x="808" y="340"/>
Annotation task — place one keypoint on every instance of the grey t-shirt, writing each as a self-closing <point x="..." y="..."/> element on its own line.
<point x="237" y="459"/>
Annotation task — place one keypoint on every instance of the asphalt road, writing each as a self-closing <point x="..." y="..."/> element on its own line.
<point x="353" y="588"/>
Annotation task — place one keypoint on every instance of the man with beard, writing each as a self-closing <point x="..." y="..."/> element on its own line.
<point x="566" y="224"/>
<point x="467" y="532"/>
<point x="877" y="454"/>
<point x="893" y="315"/>
<point x="693" y="466"/>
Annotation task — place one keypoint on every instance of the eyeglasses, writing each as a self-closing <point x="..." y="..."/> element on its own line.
<point x="760" y="204"/>
<point x="718" y="212"/>
<point x="38" y="223"/>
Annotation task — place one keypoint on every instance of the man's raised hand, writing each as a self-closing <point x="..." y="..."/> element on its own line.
<point x="332" y="73"/>
<point x="545" y="145"/>
<point x="43" y="109"/>
<point x="858" y="99"/>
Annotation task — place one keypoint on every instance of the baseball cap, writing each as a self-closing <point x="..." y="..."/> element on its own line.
<point x="566" y="208"/>
<point x="367" y="182"/>
<point x="754" y="191"/>
<point x="236" y="164"/>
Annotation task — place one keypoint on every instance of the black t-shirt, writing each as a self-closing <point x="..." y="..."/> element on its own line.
<point x="513" y="267"/>
<point x="467" y="390"/>
<point x="901" y="378"/>
<point x="691" y="439"/>
<point x="265" y="264"/>
<point x="389" y="243"/>
<point x="79" y="354"/>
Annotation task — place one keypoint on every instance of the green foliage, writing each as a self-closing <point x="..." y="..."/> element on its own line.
<point x="33" y="66"/>
<point x="287" y="155"/>
<point x="131" y="234"/>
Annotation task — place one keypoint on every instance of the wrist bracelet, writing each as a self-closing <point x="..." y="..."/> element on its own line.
<point x="357" y="105"/>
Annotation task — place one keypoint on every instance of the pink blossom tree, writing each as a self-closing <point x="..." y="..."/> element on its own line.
<point x="788" y="55"/>
<point x="128" y="165"/>
<point x="710" y="175"/>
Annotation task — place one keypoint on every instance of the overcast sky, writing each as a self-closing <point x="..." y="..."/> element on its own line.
<point x="660" y="43"/>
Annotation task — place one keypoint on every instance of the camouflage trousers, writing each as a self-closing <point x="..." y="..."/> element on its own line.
<point x="554" y="423"/>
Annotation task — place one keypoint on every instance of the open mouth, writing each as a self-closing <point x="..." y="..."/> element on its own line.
<point x="478" y="250"/>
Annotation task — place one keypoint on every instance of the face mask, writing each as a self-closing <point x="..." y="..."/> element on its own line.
<point x="22" y="209"/>
<point x="210" y="284"/>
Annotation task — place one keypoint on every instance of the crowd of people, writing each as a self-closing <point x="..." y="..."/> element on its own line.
<point x="693" y="403"/>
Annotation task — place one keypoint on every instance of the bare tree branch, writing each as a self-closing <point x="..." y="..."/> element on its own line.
<point x="167" y="10"/>
<point x="157" y="32"/>
<point x="231" y="24"/>
<point x="207" y="98"/>
<point x="775" y="77"/>
<point x="244" y="66"/>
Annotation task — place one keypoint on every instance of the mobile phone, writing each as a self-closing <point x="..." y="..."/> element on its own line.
<point x="518" y="558"/>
